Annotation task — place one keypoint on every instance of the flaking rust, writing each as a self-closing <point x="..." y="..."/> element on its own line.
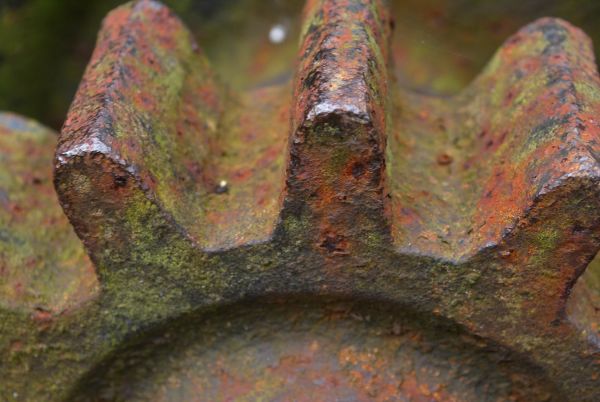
<point x="384" y="245"/>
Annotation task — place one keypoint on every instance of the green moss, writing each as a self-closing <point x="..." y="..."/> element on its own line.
<point x="547" y="239"/>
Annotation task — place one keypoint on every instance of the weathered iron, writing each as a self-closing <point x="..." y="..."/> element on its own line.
<point x="384" y="245"/>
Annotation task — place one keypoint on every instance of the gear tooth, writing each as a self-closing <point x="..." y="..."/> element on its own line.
<point x="520" y="191"/>
<point x="540" y="123"/>
<point x="152" y="123"/>
<point x="529" y="128"/>
<point x="343" y="61"/>
<point x="539" y="201"/>
<point x="124" y="161"/>
<point x="336" y="171"/>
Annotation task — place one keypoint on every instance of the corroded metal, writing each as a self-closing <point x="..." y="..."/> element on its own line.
<point x="384" y="245"/>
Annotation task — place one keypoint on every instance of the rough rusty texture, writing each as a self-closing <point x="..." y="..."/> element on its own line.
<point x="43" y="269"/>
<point x="384" y="245"/>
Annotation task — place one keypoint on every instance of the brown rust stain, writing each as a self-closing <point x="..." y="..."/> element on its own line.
<point x="43" y="267"/>
<point x="473" y="214"/>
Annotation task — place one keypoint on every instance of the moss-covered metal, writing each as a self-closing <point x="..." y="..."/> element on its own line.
<point x="334" y="237"/>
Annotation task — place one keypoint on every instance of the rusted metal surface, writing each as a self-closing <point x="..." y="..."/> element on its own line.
<point x="384" y="245"/>
<point x="44" y="270"/>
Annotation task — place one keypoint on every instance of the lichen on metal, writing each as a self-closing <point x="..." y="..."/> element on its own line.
<point x="337" y="237"/>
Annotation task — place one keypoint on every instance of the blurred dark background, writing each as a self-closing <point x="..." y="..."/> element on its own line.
<point x="439" y="45"/>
